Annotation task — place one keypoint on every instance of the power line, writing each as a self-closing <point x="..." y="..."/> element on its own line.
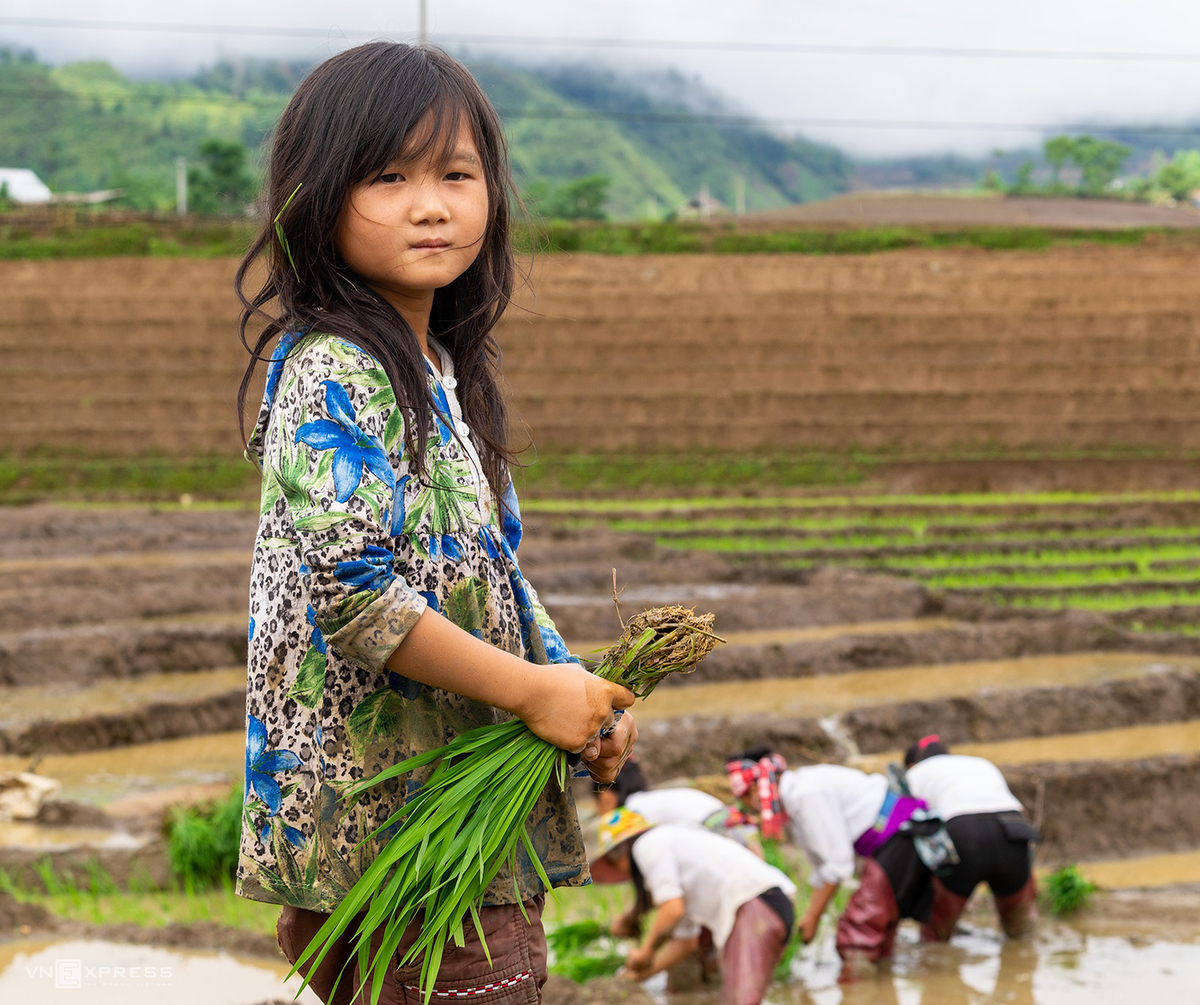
<point x="698" y="45"/>
<point x="600" y="115"/>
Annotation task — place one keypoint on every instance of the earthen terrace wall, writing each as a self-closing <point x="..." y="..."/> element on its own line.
<point x="1085" y="346"/>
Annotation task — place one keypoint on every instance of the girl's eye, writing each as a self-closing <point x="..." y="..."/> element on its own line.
<point x="390" y="177"/>
<point x="457" y="176"/>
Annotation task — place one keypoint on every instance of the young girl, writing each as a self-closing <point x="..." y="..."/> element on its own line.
<point x="387" y="609"/>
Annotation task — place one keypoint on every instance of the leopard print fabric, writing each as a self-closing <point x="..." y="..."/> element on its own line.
<point x="352" y="547"/>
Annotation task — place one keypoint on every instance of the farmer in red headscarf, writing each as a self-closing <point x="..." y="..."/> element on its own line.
<point x="835" y="813"/>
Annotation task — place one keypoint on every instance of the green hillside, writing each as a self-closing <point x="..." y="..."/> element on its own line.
<point x="84" y="126"/>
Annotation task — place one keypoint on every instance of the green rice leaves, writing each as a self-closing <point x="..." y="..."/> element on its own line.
<point x="468" y="821"/>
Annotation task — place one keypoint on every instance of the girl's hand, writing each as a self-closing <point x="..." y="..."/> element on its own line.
<point x="605" y="757"/>
<point x="571" y="706"/>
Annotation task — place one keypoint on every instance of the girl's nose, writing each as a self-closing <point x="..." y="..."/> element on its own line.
<point x="428" y="203"/>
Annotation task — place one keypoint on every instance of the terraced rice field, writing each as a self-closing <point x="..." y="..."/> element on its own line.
<point x="1136" y="556"/>
<point x="122" y="646"/>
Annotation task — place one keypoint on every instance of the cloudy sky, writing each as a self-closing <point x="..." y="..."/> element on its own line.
<point x="809" y="66"/>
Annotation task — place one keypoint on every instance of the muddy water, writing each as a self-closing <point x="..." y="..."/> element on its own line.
<point x="1102" y="745"/>
<point x="102" y="776"/>
<point x="23" y="834"/>
<point x="1061" y="966"/>
<point x="1149" y="871"/>
<point x="38" y="702"/>
<point x="784" y="636"/>
<point x="830" y="695"/>
<point x="43" y="972"/>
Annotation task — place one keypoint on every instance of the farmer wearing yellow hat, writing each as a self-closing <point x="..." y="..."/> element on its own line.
<point x="696" y="880"/>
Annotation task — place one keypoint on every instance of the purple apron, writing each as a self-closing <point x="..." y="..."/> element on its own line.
<point x="894" y="811"/>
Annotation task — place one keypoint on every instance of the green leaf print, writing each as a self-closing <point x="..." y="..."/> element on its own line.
<point x="441" y="506"/>
<point x="309" y="687"/>
<point x="376" y="717"/>
<point x="466" y="603"/>
<point x="393" y="432"/>
<point x="323" y="521"/>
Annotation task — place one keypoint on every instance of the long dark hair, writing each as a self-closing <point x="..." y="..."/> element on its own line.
<point x="350" y="118"/>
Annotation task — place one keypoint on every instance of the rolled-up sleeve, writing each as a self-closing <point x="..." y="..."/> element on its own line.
<point x="328" y="446"/>
<point x="819" y="826"/>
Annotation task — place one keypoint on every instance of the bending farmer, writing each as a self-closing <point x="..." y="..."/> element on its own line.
<point x="697" y="881"/>
<point x="992" y="837"/>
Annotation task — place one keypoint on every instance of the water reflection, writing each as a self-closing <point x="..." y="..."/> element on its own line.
<point x="1062" y="965"/>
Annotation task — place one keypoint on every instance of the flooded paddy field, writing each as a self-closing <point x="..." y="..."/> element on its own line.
<point x="1071" y="659"/>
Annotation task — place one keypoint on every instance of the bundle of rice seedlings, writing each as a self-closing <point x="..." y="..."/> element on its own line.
<point x="465" y="823"/>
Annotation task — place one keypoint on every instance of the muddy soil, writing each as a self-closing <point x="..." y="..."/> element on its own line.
<point x="926" y="349"/>
<point x="876" y="209"/>
<point x="1043" y="711"/>
<point x="85" y="653"/>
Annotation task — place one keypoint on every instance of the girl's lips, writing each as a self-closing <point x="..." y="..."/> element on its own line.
<point x="431" y="243"/>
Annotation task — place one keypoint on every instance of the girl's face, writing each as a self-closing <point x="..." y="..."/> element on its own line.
<point x="419" y="225"/>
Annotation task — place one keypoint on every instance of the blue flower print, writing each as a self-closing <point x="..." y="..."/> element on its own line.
<point x="250" y="631"/>
<point x="275" y="367"/>
<point x="261" y="764"/>
<point x="443" y="409"/>
<point x="317" y="638"/>
<point x="353" y="449"/>
<point x="445" y="546"/>
<point x="489" y="546"/>
<point x="371" y="572"/>
<point x="510" y="517"/>
<point x="432" y="600"/>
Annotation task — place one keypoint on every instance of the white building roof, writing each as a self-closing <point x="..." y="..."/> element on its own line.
<point x="24" y="187"/>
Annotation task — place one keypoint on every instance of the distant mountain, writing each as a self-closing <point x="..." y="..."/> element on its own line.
<point x="85" y="126"/>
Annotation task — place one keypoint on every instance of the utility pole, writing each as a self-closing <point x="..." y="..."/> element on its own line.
<point x="423" y="24"/>
<point x="181" y="186"/>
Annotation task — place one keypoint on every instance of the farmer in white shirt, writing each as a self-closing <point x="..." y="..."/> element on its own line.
<point x="696" y="880"/>
<point x="990" y="834"/>
<point x="838" y="815"/>
<point x="680" y="805"/>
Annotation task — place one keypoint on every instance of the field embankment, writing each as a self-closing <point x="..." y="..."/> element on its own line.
<point x="919" y="350"/>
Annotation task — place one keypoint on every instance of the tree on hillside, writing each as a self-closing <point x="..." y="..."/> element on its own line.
<point x="1099" y="161"/>
<point x="581" y="199"/>
<point x="224" y="183"/>
<point x="1057" y="151"/>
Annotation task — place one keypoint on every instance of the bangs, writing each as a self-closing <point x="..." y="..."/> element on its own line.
<point x="430" y="129"/>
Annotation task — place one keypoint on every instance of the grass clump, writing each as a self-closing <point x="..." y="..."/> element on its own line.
<point x="583" y="950"/>
<point x="76" y="474"/>
<point x="202" y="841"/>
<point x="1068" y="890"/>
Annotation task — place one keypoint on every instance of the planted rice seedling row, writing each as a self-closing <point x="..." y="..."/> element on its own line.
<point x="1022" y="502"/>
<point x="1172" y="555"/>
<point x="877" y="550"/>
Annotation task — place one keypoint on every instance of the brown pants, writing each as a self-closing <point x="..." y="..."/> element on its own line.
<point x="514" y="977"/>
<point x="751" y="953"/>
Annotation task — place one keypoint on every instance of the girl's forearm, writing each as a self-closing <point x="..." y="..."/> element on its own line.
<point x="562" y="703"/>
<point x="439" y="653"/>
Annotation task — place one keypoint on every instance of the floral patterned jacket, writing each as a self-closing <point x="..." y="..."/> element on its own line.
<point x="351" y="549"/>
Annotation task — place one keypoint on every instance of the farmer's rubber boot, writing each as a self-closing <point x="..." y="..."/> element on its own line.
<point x="1018" y="911"/>
<point x="866" y="930"/>
<point x="944" y="913"/>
